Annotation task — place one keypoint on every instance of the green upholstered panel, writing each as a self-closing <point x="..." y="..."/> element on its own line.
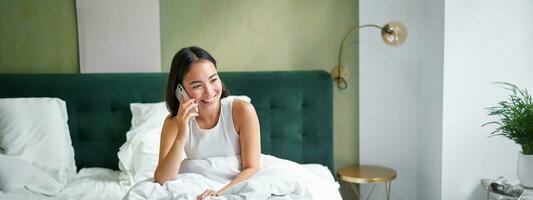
<point x="295" y="112"/>
<point x="294" y="109"/>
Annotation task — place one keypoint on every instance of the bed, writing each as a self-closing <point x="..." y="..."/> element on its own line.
<point x="294" y="110"/>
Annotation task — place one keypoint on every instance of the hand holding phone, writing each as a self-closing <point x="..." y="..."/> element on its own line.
<point x="180" y="92"/>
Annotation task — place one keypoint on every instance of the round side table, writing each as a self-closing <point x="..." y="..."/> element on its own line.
<point x="368" y="174"/>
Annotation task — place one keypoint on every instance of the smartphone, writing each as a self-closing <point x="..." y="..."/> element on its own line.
<point x="180" y="92"/>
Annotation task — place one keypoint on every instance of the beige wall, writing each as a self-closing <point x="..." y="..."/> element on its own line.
<point x="38" y="36"/>
<point x="259" y="35"/>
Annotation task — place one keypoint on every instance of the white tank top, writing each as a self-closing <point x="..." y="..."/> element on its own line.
<point x="221" y="140"/>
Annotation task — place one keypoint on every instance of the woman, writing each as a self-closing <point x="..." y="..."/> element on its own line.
<point x="220" y="127"/>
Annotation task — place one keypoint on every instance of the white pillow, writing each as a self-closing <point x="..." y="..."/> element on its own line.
<point x="139" y="155"/>
<point x="144" y="113"/>
<point x="35" y="131"/>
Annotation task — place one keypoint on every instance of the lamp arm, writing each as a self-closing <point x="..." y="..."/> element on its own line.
<point x="341" y="82"/>
<point x="341" y="55"/>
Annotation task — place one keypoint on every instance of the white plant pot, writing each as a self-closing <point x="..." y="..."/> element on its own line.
<point x="525" y="170"/>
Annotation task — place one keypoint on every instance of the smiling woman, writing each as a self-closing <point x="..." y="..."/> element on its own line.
<point x="220" y="128"/>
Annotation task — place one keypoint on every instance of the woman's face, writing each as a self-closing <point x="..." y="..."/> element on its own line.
<point x="203" y="84"/>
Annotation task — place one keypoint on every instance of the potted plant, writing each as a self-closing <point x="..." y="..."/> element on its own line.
<point x="516" y="123"/>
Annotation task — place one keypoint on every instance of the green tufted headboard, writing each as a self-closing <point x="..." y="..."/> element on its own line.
<point x="294" y="109"/>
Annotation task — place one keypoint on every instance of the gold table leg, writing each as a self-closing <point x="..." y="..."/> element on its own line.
<point x="388" y="186"/>
<point x="355" y="191"/>
<point x="388" y="189"/>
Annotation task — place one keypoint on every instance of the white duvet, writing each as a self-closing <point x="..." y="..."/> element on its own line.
<point x="88" y="184"/>
<point x="277" y="179"/>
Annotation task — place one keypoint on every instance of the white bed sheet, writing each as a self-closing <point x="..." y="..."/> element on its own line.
<point x="102" y="183"/>
<point x="89" y="183"/>
<point x="94" y="183"/>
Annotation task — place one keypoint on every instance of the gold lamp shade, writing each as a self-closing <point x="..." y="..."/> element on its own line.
<point x="394" y="33"/>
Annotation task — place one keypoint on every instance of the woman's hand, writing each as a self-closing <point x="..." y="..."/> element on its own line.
<point x="183" y="116"/>
<point x="206" y="194"/>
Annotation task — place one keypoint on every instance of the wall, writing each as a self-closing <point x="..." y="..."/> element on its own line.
<point x="261" y="35"/>
<point x="485" y="41"/>
<point x="38" y="37"/>
<point x="429" y="152"/>
<point x="390" y="88"/>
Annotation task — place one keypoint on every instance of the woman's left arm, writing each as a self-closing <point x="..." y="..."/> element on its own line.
<point x="247" y="125"/>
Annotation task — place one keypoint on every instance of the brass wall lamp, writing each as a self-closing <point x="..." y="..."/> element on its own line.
<point x="393" y="34"/>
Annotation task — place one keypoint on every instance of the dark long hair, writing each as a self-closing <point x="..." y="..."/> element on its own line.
<point x="181" y="65"/>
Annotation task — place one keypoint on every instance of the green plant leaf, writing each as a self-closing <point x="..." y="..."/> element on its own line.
<point x="516" y="117"/>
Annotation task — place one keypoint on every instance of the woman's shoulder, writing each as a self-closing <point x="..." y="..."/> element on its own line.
<point x="243" y="113"/>
<point x="237" y="103"/>
<point x="167" y="123"/>
<point x="241" y="105"/>
<point x="169" y="117"/>
<point x="241" y="108"/>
